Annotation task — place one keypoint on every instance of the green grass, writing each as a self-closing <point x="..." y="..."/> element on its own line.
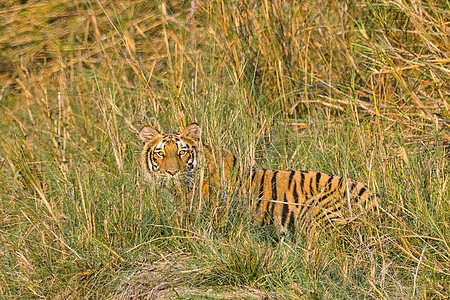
<point x="369" y="79"/>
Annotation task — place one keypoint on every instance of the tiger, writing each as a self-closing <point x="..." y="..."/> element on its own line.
<point x="180" y="157"/>
<point x="292" y="200"/>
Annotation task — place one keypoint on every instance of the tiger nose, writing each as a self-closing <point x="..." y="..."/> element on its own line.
<point x="172" y="171"/>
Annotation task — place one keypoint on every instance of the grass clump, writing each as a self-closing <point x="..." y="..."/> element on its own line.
<point x="357" y="89"/>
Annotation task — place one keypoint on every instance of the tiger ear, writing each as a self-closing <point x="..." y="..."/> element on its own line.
<point x="148" y="133"/>
<point x="192" y="131"/>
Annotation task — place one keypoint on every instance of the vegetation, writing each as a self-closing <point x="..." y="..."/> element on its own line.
<point x="353" y="88"/>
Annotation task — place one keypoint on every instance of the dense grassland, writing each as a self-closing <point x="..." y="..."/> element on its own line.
<point x="354" y="88"/>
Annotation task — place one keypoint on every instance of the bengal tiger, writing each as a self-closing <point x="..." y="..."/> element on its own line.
<point x="287" y="199"/>
<point x="180" y="157"/>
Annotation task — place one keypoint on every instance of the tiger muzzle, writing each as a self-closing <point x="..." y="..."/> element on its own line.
<point x="172" y="172"/>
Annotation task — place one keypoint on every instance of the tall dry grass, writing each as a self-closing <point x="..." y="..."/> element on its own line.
<point x="368" y="80"/>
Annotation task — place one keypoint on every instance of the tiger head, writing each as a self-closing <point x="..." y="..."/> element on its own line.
<point x="170" y="156"/>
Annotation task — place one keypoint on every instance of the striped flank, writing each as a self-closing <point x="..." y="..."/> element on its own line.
<point x="295" y="199"/>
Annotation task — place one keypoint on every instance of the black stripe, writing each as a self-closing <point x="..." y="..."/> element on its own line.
<point x="270" y="211"/>
<point x="155" y="166"/>
<point x="369" y="199"/>
<point x="308" y="206"/>
<point x="341" y="181"/>
<point x="263" y="222"/>
<point x="274" y="185"/>
<point x="319" y="201"/>
<point x="234" y="161"/>
<point x="148" y="156"/>
<point x="362" y="191"/>
<point x="311" y="186"/>
<point x="285" y="212"/>
<point x="271" y="205"/>
<point x="326" y="216"/>
<point x="305" y="207"/>
<point x="261" y="183"/>
<point x="315" y="203"/>
<point x="336" y="209"/>
<point x="291" y="225"/>
<point x="291" y="177"/>
<point x="294" y="193"/>
<point x="302" y="182"/>
<point x="352" y="187"/>
<point x="318" y="176"/>
<point x="329" y="184"/>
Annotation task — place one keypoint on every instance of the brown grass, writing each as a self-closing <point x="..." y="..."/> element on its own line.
<point x="354" y="88"/>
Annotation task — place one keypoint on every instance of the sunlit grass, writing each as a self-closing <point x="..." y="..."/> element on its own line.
<point x="367" y="81"/>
